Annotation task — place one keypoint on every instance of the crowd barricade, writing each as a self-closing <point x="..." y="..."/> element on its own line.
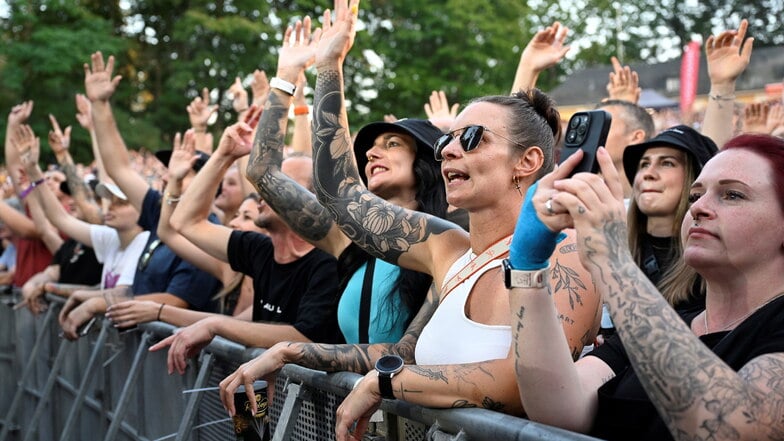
<point x="108" y="386"/>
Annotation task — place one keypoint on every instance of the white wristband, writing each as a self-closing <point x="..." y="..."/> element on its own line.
<point x="283" y="85"/>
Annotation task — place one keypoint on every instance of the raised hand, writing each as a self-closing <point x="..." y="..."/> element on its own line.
<point x="200" y="110"/>
<point x="299" y="48"/>
<point x="755" y="118"/>
<point x="728" y="54"/>
<point x="546" y="48"/>
<point x="20" y="113"/>
<point x="624" y="83"/>
<point x="84" y="112"/>
<point x="27" y="144"/>
<point x="439" y="112"/>
<point x="99" y="84"/>
<point x="775" y="122"/>
<point x="236" y="141"/>
<point x="337" y="37"/>
<point x="59" y="140"/>
<point x="260" y="88"/>
<point x="239" y="96"/>
<point x="183" y="155"/>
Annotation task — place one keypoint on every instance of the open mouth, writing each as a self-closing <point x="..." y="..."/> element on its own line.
<point x="452" y="176"/>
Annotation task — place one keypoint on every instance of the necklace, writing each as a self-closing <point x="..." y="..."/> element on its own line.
<point x="738" y="320"/>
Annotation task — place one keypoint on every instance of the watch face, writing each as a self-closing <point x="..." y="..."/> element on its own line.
<point x="389" y="363"/>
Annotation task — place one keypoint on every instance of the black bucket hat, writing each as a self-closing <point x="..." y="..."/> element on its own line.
<point x="165" y="155"/>
<point x="422" y="130"/>
<point x="701" y="148"/>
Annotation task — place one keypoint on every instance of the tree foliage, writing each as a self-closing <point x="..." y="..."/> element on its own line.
<point x="168" y="50"/>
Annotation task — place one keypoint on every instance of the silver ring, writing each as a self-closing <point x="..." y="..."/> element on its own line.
<point x="549" y="206"/>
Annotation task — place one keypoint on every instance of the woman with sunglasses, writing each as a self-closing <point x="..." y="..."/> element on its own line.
<point x="462" y="356"/>
<point x="396" y="163"/>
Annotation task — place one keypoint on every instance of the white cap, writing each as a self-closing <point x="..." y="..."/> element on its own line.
<point x="107" y="190"/>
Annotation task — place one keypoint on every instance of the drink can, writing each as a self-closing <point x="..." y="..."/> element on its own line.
<point x="247" y="426"/>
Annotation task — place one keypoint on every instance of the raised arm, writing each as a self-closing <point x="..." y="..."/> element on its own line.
<point x="296" y="205"/>
<point x="18" y="116"/>
<point x="384" y="230"/>
<point x="728" y="54"/>
<point x="302" y="138"/>
<point x="546" y="49"/>
<point x="84" y="114"/>
<point x="100" y="86"/>
<point x="190" y="218"/>
<point x="59" y="141"/>
<point x="28" y="148"/>
<point x="182" y="158"/>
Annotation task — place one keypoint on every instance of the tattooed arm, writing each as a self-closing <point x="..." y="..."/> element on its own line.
<point x="296" y="205"/>
<point x="699" y="396"/>
<point x="359" y="358"/>
<point x="402" y="237"/>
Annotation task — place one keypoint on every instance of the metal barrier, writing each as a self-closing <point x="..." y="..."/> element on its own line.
<point x="109" y="386"/>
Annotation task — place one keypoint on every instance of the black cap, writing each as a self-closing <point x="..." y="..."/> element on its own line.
<point x="165" y="155"/>
<point x="422" y="130"/>
<point x="701" y="148"/>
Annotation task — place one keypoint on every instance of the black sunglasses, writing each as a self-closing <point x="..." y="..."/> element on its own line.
<point x="469" y="139"/>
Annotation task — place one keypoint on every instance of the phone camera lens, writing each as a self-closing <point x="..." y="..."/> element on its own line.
<point x="571" y="136"/>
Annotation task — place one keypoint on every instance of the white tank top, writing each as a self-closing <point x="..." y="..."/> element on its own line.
<point x="452" y="338"/>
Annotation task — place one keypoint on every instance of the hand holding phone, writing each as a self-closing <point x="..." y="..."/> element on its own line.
<point x="586" y="131"/>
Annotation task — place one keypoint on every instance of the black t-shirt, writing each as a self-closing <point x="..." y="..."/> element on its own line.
<point x="77" y="263"/>
<point x="161" y="270"/>
<point x="303" y="293"/>
<point x="625" y="412"/>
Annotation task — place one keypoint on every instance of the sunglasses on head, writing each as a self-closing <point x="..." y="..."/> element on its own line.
<point x="469" y="139"/>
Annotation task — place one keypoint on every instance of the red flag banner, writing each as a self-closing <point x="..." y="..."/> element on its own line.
<point x="690" y="72"/>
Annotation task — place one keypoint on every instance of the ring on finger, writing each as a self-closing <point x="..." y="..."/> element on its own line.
<point x="549" y="206"/>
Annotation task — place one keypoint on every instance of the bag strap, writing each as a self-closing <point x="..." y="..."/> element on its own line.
<point x="364" y="302"/>
<point x="496" y="251"/>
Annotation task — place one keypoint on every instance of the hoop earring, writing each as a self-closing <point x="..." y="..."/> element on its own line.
<point x="517" y="185"/>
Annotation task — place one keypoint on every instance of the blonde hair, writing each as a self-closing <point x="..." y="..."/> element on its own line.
<point x="678" y="280"/>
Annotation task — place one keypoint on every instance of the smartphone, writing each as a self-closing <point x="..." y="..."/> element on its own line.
<point x="586" y="131"/>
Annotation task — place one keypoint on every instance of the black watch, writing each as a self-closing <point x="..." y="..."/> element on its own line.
<point x="387" y="367"/>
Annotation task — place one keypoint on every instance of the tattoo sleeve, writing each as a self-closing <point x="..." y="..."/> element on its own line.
<point x="297" y="206"/>
<point x="382" y="229"/>
<point x="361" y="358"/>
<point x="697" y="395"/>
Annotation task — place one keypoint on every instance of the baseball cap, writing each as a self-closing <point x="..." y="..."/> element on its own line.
<point x="701" y="148"/>
<point x="423" y="131"/>
<point x="106" y="190"/>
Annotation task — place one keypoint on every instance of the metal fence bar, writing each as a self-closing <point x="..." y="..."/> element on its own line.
<point x="133" y="375"/>
<point x="308" y="399"/>
<point x="186" y="424"/>
<point x="27" y="372"/>
<point x="39" y="409"/>
<point x="87" y="379"/>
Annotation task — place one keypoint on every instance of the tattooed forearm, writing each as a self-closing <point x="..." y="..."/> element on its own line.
<point x="296" y="205"/>
<point x="697" y="395"/>
<point x="382" y="229"/>
<point x="75" y="183"/>
<point x="430" y="373"/>
<point x="332" y="358"/>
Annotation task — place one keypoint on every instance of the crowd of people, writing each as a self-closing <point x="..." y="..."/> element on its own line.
<point x="447" y="258"/>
